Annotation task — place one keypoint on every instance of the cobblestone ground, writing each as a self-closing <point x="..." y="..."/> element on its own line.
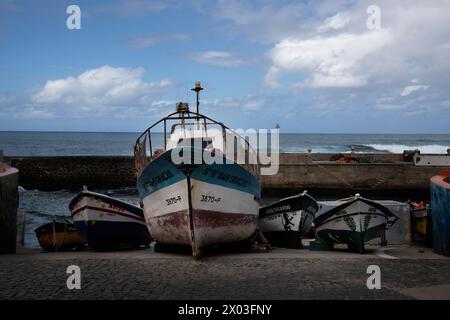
<point x="147" y="275"/>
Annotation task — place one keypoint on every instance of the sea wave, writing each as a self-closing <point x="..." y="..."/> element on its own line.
<point x="399" y="148"/>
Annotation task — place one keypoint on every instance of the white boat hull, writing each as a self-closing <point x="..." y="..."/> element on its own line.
<point x="201" y="208"/>
<point x="108" y="223"/>
<point x="353" y="221"/>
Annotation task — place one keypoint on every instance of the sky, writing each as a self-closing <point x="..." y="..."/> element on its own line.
<point x="311" y="66"/>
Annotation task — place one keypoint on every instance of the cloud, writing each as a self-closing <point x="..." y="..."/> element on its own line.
<point x="336" y="22"/>
<point x="149" y="41"/>
<point x="131" y="8"/>
<point x="332" y="61"/>
<point x="163" y="103"/>
<point x="261" y="21"/>
<point x="254" y="105"/>
<point x="141" y="42"/>
<point x="101" y="92"/>
<point x="410" y="89"/>
<point x="218" y="58"/>
<point x="101" y="86"/>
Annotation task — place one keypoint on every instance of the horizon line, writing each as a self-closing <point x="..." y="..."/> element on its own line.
<point x="138" y="132"/>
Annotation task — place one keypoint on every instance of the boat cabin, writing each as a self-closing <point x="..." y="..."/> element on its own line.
<point x="189" y="128"/>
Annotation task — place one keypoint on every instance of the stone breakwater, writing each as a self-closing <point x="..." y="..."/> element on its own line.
<point x="374" y="174"/>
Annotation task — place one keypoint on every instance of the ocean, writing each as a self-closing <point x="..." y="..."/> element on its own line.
<point x="96" y="143"/>
<point x="121" y="143"/>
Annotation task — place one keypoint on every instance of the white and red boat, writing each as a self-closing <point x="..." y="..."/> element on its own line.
<point x="108" y="223"/>
<point x="196" y="202"/>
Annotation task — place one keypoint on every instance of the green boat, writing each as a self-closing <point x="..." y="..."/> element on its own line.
<point x="352" y="221"/>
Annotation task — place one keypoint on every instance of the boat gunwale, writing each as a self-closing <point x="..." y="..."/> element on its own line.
<point x="327" y="215"/>
<point x="86" y="193"/>
<point x="302" y="196"/>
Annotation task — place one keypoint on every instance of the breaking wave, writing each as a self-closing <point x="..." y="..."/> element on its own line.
<point x="399" y="148"/>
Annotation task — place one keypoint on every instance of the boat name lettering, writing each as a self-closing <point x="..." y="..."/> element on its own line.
<point x="225" y="177"/>
<point x="211" y="199"/>
<point x="166" y="175"/>
<point x="173" y="200"/>
<point x="279" y="209"/>
<point x="110" y="206"/>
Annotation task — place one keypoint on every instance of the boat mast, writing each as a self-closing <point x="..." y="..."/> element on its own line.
<point x="197" y="89"/>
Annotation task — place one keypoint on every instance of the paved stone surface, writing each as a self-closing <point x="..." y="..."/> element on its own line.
<point x="280" y="274"/>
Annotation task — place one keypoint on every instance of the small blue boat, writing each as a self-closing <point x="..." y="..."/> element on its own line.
<point x="107" y="223"/>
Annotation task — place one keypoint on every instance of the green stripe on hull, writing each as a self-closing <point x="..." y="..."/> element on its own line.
<point x="353" y="239"/>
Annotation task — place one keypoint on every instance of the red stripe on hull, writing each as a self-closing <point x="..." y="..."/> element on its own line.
<point x="172" y="228"/>
<point x="210" y="227"/>
<point x="78" y="210"/>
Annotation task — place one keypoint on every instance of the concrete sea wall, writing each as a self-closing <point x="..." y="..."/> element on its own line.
<point x="56" y="173"/>
<point x="377" y="174"/>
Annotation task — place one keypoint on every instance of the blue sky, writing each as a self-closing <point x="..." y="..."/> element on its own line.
<point x="311" y="66"/>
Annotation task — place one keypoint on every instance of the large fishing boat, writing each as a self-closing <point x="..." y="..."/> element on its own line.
<point x="352" y="221"/>
<point x="286" y="221"/>
<point x="195" y="189"/>
<point x="108" y="223"/>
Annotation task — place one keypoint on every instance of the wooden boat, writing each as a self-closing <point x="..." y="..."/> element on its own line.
<point x="352" y="221"/>
<point x="197" y="202"/>
<point x="59" y="236"/>
<point x="285" y="222"/>
<point x="107" y="223"/>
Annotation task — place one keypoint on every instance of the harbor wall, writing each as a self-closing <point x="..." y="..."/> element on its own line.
<point x="56" y="173"/>
<point x="9" y="198"/>
<point x="377" y="174"/>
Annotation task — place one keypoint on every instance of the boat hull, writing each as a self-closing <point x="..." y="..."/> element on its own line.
<point x="59" y="236"/>
<point x="200" y="206"/>
<point x="285" y="222"/>
<point x="352" y="222"/>
<point x="286" y="229"/>
<point x="107" y="223"/>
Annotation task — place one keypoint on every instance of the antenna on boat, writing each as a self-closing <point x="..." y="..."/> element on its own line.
<point x="197" y="89"/>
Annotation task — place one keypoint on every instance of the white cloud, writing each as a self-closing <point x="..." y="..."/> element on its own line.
<point x="410" y="89"/>
<point x="6" y="100"/>
<point x="261" y="21"/>
<point x="253" y="105"/>
<point x="163" y="103"/>
<point x="336" y="22"/>
<point x="129" y="8"/>
<point x="390" y="107"/>
<point x="141" y="42"/>
<point x="104" y="86"/>
<point x="332" y="61"/>
<point x="35" y="113"/>
<point x="150" y="41"/>
<point x="218" y="58"/>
